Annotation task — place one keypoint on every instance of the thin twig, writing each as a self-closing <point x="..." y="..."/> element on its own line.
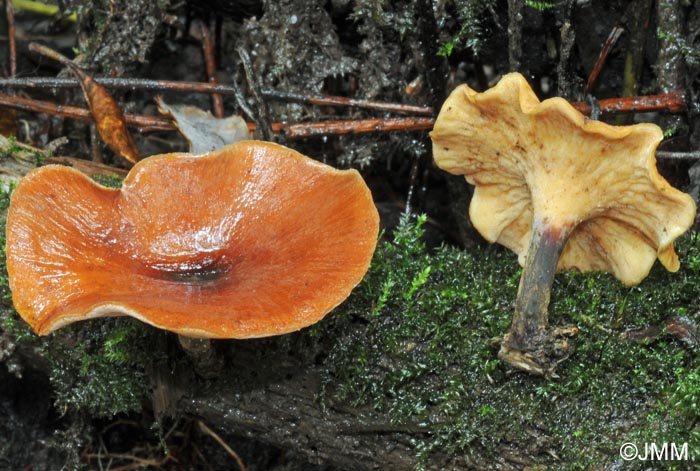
<point x="201" y="87"/>
<point x="143" y="123"/>
<point x="666" y="102"/>
<point x="217" y="102"/>
<point x="669" y="155"/>
<point x="412" y="185"/>
<point x="243" y="105"/>
<point x="223" y="444"/>
<point x="303" y="130"/>
<point x="262" y="118"/>
<point x="325" y="100"/>
<point x="134" y="458"/>
<point x="607" y="47"/>
<point x="10" y="12"/>
<point x="672" y="102"/>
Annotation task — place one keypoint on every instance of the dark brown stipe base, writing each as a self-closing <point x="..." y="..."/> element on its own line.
<point x="530" y="346"/>
<point x="531" y="316"/>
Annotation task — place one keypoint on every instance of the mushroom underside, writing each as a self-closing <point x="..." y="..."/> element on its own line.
<point x="562" y="191"/>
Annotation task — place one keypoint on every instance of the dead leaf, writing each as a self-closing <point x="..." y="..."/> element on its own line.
<point x="203" y="131"/>
<point x="679" y="327"/>
<point x="107" y="114"/>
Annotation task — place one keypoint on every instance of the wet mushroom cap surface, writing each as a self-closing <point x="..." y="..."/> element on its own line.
<point x="251" y="240"/>
<point x="545" y="163"/>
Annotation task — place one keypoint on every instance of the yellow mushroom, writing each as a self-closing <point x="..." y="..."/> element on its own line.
<point x="561" y="191"/>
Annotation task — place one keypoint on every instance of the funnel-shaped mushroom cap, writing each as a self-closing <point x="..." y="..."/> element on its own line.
<point x="544" y="161"/>
<point x="249" y="241"/>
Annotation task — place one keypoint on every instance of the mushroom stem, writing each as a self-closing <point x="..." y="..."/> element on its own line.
<point x="531" y="316"/>
<point x="529" y="345"/>
<point x="207" y="362"/>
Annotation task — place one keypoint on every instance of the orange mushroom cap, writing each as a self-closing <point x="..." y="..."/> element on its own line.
<point x="251" y="240"/>
<point x="545" y="161"/>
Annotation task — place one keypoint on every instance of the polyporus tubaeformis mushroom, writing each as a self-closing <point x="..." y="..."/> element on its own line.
<point x="561" y="191"/>
<point x="251" y="240"/>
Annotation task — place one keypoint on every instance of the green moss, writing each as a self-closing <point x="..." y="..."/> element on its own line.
<point x="401" y="20"/>
<point x="689" y="52"/>
<point x="110" y="181"/>
<point x="99" y="367"/>
<point x="541" y="6"/>
<point x="420" y="350"/>
<point x="11" y="149"/>
<point x="471" y="34"/>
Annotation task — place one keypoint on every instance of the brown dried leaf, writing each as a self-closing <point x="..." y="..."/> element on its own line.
<point x="107" y="114"/>
<point x="679" y="327"/>
<point x="204" y="132"/>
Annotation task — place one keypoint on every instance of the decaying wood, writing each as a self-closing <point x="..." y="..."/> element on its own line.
<point x="276" y="402"/>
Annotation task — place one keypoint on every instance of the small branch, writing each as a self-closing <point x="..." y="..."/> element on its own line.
<point x="567" y="35"/>
<point x="325" y="100"/>
<point x="217" y="102"/>
<point x="143" y="123"/>
<point x="614" y="35"/>
<point x="262" y="117"/>
<point x="666" y="102"/>
<point x="303" y="130"/>
<point x="88" y="167"/>
<point x="293" y="131"/>
<point x="668" y="155"/>
<point x="674" y="102"/>
<point x="200" y="87"/>
<point x="670" y="102"/>
<point x="123" y="456"/>
<point x="12" y="44"/>
<point x="223" y="444"/>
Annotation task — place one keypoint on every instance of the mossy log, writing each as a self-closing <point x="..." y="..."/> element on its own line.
<point x="286" y="414"/>
<point x="275" y="400"/>
<point x="272" y="399"/>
